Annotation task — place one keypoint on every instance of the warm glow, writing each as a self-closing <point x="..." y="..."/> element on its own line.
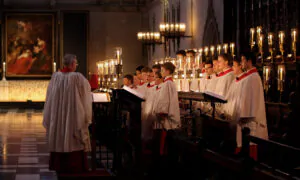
<point x="294" y="35"/>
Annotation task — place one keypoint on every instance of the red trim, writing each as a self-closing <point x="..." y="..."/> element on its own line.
<point x="150" y="86"/>
<point x="252" y="153"/>
<point x="254" y="70"/>
<point x="225" y="72"/>
<point x="141" y="83"/>
<point x="168" y="79"/>
<point x="66" y="70"/>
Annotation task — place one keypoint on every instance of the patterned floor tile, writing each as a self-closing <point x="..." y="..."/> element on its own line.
<point x="27" y="160"/>
<point x="27" y="177"/>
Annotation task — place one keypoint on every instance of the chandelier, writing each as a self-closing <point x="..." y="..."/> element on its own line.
<point x="172" y="30"/>
<point x="149" y="37"/>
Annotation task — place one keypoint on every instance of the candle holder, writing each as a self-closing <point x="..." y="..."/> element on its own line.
<point x="280" y="79"/>
<point x="266" y="78"/>
<point x="252" y="42"/>
<point x="270" y="44"/>
<point x="281" y="44"/>
<point x="260" y="45"/>
<point x="258" y="32"/>
<point x="294" y="43"/>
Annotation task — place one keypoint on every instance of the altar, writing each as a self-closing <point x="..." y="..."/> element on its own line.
<point x="23" y="90"/>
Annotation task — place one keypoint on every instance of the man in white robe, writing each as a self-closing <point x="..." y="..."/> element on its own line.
<point x="67" y="115"/>
<point x="226" y="76"/>
<point x="255" y="106"/>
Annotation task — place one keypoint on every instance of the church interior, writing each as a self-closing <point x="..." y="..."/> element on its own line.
<point x="143" y="89"/>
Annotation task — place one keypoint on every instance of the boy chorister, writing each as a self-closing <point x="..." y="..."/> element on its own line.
<point x="147" y="121"/>
<point x="142" y="87"/>
<point x="226" y="76"/>
<point x="214" y="80"/>
<point x="167" y="110"/>
<point x="167" y="101"/>
<point x="128" y="81"/>
<point x="207" y="79"/>
<point x="255" y="106"/>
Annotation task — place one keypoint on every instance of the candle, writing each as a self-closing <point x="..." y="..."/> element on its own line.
<point x="4" y="68"/>
<point x="281" y="37"/>
<point x="281" y="74"/>
<point x="270" y="39"/>
<point x="54" y="67"/>
<point x="219" y="49"/>
<point x="252" y="31"/>
<point x="294" y="35"/>
<point x="225" y="47"/>
<point x="267" y="74"/>
<point x="258" y="31"/>
<point x="232" y="48"/>
<point x="206" y="51"/>
<point x="212" y="50"/>
<point x="189" y="63"/>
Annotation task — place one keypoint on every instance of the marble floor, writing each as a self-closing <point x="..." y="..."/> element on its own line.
<point x="23" y="150"/>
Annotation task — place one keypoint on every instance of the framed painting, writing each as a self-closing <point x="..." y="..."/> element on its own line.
<point x="29" y="42"/>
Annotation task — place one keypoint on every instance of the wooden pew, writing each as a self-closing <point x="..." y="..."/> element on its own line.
<point x="273" y="157"/>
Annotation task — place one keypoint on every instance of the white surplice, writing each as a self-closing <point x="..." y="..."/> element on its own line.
<point x="68" y="112"/>
<point x="246" y="106"/>
<point x="211" y="86"/>
<point x="147" y="115"/>
<point x="167" y="103"/>
<point x="225" y="79"/>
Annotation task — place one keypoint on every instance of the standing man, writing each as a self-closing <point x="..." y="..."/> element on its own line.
<point x="67" y="115"/>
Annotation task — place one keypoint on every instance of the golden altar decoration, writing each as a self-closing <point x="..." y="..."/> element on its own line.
<point x="22" y="91"/>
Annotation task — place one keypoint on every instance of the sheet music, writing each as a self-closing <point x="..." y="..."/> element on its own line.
<point x="100" y="97"/>
<point x="215" y="95"/>
<point x="134" y="92"/>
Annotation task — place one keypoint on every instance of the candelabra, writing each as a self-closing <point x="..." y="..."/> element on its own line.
<point x="4" y="71"/>
<point x="172" y="30"/>
<point x="149" y="37"/>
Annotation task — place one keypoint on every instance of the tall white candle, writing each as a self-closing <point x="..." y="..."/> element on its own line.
<point x="54" y="67"/>
<point x="4" y="66"/>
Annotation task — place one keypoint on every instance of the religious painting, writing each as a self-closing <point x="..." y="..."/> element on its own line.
<point x="29" y="45"/>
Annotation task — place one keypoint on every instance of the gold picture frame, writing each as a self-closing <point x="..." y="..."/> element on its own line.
<point x="29" y="44"/>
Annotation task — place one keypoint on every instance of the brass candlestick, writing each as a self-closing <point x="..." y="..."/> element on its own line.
<point x="260" y="45"/>
<point x="252" y="42"/>
<point x="294" y="42"/>
<point x="270" y="44"/>
<point x="281" y="43"/>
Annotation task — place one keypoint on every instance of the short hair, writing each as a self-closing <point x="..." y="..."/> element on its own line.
<point x="156" y="66"/>
<point x="209" y="62"/>
<point x="237" y="60"/>
<point x="129" y="77"/>
<point x="181" y="52"/>
<point x="191" y="52"/>
<point x="249" y="57"/>
<point x="215" y="58"/>
<point x="227" y="57"/>
<point x="158" y="74"/>
<point x="139" y="68"/>
<point x="169" y="66"/>
<point x="69" y="59"/>
<point x="146" y="70"/>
